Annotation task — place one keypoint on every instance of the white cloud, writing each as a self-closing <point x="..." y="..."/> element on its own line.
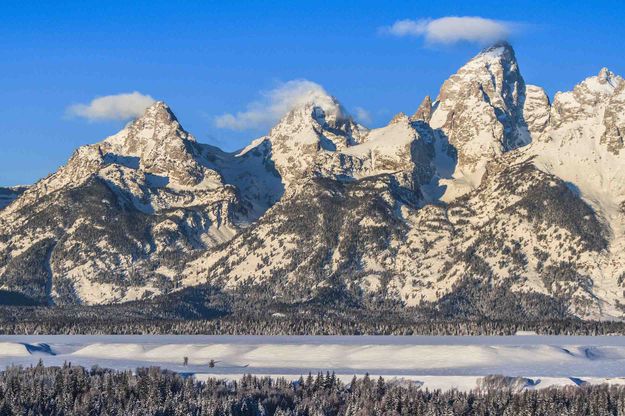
<point x="362" y="116"/>
<point x="453" y="29"/>
<point x="276" y="103"/>
<point x="112" y="107"/>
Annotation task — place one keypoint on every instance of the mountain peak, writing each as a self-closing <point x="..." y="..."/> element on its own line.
<point x="313" y="112"/>
<point x="399" y="118"/>
<point x="160" y="144"/>
<point x="480" y="110"/>
<point x="603" y="84"/>
<point x="157" y="124"/>
<point x="498" y="53"/>
<point x="316" y="122"/>
<point x="320" y="107"/>
<point x="605" y="76"/>
<point x="158" y="106"/>
<point x="498" y="50"/>
<point x="160" y="112"/>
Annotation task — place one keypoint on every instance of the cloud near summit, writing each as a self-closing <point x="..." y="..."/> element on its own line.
<point x="453" y="29"/>
<point x="275" y="103"/>
<point x="112" y="107"/>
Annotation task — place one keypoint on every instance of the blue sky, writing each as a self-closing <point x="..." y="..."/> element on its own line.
<point x="207" y="58"/>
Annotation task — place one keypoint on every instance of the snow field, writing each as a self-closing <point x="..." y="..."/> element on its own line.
<point x="434" y="362"/>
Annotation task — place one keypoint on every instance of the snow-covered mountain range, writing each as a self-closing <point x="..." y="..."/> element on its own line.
<point x="490" y="183"/>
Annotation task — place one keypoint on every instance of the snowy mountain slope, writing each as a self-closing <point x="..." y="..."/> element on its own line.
<point x="252" y="173"/>
<point x="582" y="144"/>
<point x="489" y="186"/>
<point x="371" y="236"/>
<point x="398" y="149"/>
<point x="308" y="240"/>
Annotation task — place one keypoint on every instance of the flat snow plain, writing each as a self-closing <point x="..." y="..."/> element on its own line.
<point x="436" y="361"/>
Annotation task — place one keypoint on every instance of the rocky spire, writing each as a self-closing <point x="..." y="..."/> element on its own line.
<point x="480" y="108"/>
<point x="424" y="112"/>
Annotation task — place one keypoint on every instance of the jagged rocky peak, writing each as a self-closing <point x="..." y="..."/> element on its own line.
<point x="156" y="143"/>
<point x="597" y="100"/>
<point x="495" y="69"/>
<point x="319" y="113"/>
<point x="589" y="98"/>
<point x="157" y="125"/>
<point x="592" y="90"/>
<point x="399" y="118"/>
<point x="424" y="112"/>
<point x="608" y="77"/>
<point x="316" y="124"/>
<point x="153" y="150"/>
<point x="480" y="109"/>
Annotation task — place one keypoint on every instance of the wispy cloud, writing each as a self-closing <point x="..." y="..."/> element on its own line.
<point x="274" y="104"/>
<point x="453" y="29"/>
<point x="362" y="116"/>
<point x="112" y="107"/>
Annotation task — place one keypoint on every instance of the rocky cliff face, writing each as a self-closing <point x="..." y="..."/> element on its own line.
<point x="490" y="182"/>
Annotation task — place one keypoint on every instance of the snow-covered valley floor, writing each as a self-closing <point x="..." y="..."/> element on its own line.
<point x="437" y="362"/>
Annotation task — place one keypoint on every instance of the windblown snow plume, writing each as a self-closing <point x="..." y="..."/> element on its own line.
<point x="362" y="115"/>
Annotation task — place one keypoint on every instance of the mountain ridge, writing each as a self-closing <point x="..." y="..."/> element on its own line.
<point x="489" y="181"/>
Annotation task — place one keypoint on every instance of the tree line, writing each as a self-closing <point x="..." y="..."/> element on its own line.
<point x="72" y="390"/>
